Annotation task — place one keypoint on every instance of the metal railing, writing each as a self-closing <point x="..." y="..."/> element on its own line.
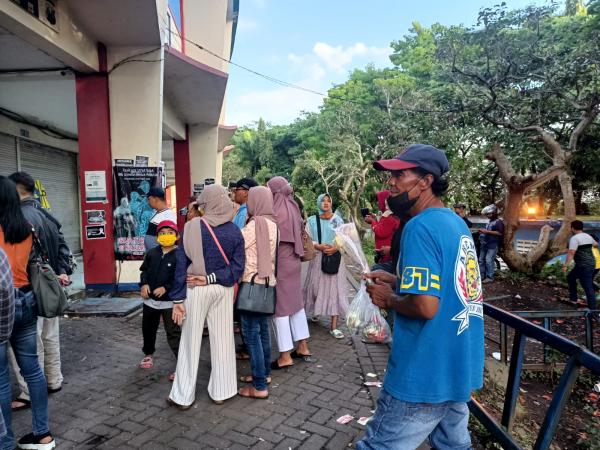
<point x="547" y="318"/>
<point x="578" y="357"/>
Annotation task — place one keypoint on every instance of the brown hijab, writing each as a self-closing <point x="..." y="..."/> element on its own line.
<point x="260" y="209"/>
<point x="218" y="209"/>
<point x="288" y="214"/>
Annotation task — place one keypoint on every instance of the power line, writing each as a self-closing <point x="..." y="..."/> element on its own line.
<point x="292" y="85"/>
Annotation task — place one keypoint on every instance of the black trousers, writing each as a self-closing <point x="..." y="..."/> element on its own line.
<point x="150" y="322"/>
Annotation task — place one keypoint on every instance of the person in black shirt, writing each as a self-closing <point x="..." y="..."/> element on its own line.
<point x="156" y="281"/>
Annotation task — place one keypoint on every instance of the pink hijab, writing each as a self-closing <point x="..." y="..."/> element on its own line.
<point x="260" y="209"/>
<point x="288" y="214"/>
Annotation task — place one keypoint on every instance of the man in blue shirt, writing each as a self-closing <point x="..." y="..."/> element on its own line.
<point x="437" y="355"/>
<point x="240" y="196"/>
<point x="490" y="238"/>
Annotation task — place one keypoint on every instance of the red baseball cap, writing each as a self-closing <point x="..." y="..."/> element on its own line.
<point x="167" y="224"/>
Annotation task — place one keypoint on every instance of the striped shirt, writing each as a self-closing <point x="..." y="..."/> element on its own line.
<point x="7" y="298"/>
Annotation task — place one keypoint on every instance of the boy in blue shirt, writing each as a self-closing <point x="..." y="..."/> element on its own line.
<point x="437" y="354"/>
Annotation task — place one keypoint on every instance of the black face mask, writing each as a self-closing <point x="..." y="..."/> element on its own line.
<point x="400" y="204"/>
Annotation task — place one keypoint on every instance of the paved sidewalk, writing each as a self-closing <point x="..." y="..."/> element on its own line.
<point x="108" y="403"/>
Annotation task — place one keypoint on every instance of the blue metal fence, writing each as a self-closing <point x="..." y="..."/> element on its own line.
<point x="578" y="357"/>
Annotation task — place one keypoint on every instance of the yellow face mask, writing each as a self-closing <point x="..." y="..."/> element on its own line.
<point x="167" y="240"/>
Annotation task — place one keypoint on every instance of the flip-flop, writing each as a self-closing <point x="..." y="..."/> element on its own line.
<point x="54" y="390"/>
<point x="248" y="379"/>
<point x="177" y="405"/>
<point x="249" y="393"/>
<point x="242" y="356"/>
<point x="26" y="404"/>
<point x="171" y="376"/>
<point x="296" y="355"/>
<point x="275" y="366"/>
<point x="146" y="363"/>
<point x="337" y="334"/>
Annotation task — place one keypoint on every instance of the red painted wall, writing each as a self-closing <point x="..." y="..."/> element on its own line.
<point x="183" y="177"/>
<point x="93" y="125"/>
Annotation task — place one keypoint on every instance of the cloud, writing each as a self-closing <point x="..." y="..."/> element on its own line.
<point x="338" y="58"/>
<point x="316" y="70"/>
<point x="247" y="24"/>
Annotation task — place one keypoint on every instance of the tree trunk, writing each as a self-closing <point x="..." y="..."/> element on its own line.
<point x="512" y="208"/>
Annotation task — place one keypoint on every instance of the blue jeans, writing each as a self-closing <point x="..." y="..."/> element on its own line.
<point x="399" y="425"/>
<point x="24" y="344"/>
<point x="486" y="261"/>
<point x="255" y="328"/>
<point x="585" y="275"/>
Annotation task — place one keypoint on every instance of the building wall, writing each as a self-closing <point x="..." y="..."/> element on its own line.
<point x="204" y="21"/>
<point x="70" y="44"/>
<point x="136" y="104"/>
<point x="203" y="152"/>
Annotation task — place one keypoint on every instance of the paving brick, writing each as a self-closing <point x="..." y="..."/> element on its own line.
<point x="315" y="428"/>
<point x="315" y="442"/>
<point x="125" y="407"/>
<point x="267" y="435"/>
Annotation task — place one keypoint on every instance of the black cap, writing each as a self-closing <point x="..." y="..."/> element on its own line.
<point x="157" y="192"/>
<point x="426" y="157"/>
<point x="246" y="183"/>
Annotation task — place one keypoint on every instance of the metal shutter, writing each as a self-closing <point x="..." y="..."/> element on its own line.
<point x="8" y="154"/>
<point x="57" y="170"/>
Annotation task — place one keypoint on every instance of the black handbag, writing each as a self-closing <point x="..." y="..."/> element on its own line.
<point x="330" y="264"/>
<point x="258" y="298"/>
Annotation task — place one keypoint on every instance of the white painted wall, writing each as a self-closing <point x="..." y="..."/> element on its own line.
<point x="136" y="104"/>
<point x="203" y="152"/>
<point x="205" y="23"/>
<point x="48" y="98"/>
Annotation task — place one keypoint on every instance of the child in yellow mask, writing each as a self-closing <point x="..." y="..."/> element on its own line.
<point x="156" y="281"/>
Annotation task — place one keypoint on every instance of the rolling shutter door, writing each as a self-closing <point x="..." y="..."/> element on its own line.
<point x="57" y="170"/>
<point x="8" y="154"/>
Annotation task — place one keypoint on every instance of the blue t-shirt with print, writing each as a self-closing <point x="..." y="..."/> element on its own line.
<point x="441" y="359"/>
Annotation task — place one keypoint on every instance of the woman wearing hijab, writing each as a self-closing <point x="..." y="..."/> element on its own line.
<point x="325" y="294"/>
<point x="260" y="242"/>
<point x="290" y="318"/>
<point x="209" y="262"/>
<point x="383" y="229"/>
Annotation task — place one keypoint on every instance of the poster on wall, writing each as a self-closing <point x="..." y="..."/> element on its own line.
<point x="95" y="232"/>
<point x="95" y="186"/>
<point x="96" y="216"/>
<point x="132" y="213"/>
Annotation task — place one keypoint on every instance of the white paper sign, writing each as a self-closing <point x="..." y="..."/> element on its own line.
<point x="95" y="186"/>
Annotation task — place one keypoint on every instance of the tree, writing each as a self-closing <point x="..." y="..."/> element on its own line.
<point x="532" y="76"/>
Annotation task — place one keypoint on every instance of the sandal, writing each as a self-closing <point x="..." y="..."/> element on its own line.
<point x="248" y="379"/>
<point x="337" y="334"/>
<point x="250" y="392"/>
<point x="26" y="404"/>
<point x="147" y="362"/>
<point x="275" y="365"/>
<point x="171" y="376"/>
<point x="296" y="355"/>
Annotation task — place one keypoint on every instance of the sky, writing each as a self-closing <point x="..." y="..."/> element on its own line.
<point x="316" y="43"/>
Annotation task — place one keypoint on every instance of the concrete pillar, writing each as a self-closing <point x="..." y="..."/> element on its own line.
<point x="203" y="142"/>
<point x="136" y="102"/>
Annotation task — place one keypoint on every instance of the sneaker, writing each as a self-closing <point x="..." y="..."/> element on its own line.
<point x="32" y="442"/>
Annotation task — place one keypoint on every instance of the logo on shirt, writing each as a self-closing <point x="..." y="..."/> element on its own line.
<point x="467" y="282"/>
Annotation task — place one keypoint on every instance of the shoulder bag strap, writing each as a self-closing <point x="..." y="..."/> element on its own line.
<point x="37" y="245"/>
<point x="212" y="233"/>
<point x="318" y="218"/>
